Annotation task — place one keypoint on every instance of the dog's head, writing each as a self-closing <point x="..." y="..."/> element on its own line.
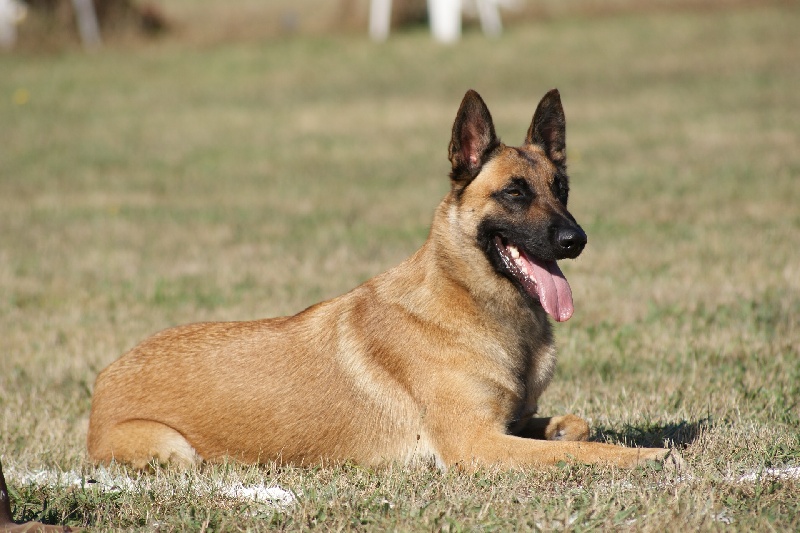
<point x="515" y="199"/>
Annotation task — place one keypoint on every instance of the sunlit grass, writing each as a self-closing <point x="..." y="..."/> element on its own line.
<point x="146" y="188"/>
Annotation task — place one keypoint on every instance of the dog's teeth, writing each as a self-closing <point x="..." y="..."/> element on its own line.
<point x="522" y="266"/>
<point x="513" y="251"/>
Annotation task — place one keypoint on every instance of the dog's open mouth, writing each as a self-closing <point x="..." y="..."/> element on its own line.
<point x="540" y="279"/>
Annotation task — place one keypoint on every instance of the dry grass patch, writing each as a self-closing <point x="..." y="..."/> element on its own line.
<point x="246" y="181"/>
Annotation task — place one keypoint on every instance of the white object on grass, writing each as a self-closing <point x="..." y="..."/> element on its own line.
<point x="87" y="22"/>
<point x="444" y="17"/>
<point x="12" y="12"/>
<point x="272" y="495"/>
<point x="105" y="482"/>
<point x="790" y="472"/>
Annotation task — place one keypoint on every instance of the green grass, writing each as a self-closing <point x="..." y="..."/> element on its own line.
<point x="161" y="184"/>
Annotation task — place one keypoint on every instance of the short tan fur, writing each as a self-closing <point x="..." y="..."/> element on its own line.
<point x="443" y="357"/>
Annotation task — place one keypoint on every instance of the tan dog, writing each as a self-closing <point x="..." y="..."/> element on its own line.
<point x="443" y="357"/>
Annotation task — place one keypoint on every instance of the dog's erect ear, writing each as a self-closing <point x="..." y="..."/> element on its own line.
<point x="548" y="128"/>
<point x="473" y="139"/>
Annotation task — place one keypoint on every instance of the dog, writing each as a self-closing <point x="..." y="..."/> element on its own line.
<point x="442" y="358"/>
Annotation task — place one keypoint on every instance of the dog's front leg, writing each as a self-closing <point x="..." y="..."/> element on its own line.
<point x="566" y="427"/>
<point x="512" y="451"/>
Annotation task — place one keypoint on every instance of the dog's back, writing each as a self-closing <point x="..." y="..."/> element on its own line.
<point x="300" y="389"/>
<point x="333" y="382"/>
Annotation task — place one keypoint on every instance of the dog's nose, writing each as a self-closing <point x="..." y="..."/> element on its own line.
<point x="570" y="240"/>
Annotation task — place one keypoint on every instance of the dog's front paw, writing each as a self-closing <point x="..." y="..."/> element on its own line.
<point x="567" y="427"/>
<point x="668" y="459"/>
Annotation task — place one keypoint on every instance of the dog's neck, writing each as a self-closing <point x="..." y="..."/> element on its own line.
<point x="450" y="264"/>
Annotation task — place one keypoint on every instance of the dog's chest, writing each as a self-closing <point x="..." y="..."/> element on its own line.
<point x="535" y="361"/>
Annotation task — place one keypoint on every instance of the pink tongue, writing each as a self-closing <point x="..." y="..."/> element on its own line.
<point x="553" y="290"/>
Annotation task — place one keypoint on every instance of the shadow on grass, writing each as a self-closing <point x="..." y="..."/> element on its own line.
<point x="680" y="434"/>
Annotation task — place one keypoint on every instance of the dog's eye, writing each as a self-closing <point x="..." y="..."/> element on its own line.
<point x="516" y="192"/>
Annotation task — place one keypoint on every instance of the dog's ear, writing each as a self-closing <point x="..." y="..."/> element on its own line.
<point x="548" y="128"/>
<point x="473" y="139"/>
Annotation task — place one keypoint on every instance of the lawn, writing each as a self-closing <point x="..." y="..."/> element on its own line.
<point x="149" y="185"/>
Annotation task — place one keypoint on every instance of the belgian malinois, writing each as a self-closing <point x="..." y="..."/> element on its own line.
<point x="441" y="358"/>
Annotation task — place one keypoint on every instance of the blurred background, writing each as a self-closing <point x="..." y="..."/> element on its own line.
<point x="225" y="160"/>
<point x="52" y="24"/>
<point x="190" y="160"/>
<point x="231" y="160"/>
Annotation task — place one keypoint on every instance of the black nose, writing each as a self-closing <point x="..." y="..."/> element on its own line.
<point x="570" y="240"/>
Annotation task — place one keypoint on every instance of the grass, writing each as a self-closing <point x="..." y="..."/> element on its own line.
<point x="146" y="187"/>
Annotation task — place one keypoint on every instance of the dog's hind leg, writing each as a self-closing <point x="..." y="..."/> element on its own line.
<point x="138" y="442"/>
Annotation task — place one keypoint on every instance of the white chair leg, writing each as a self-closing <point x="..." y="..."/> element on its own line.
<point x="380" y="18"/>
<point x="87" y="23"/>
<point x="489" y="14"/>
<point x="445" y="20"/>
